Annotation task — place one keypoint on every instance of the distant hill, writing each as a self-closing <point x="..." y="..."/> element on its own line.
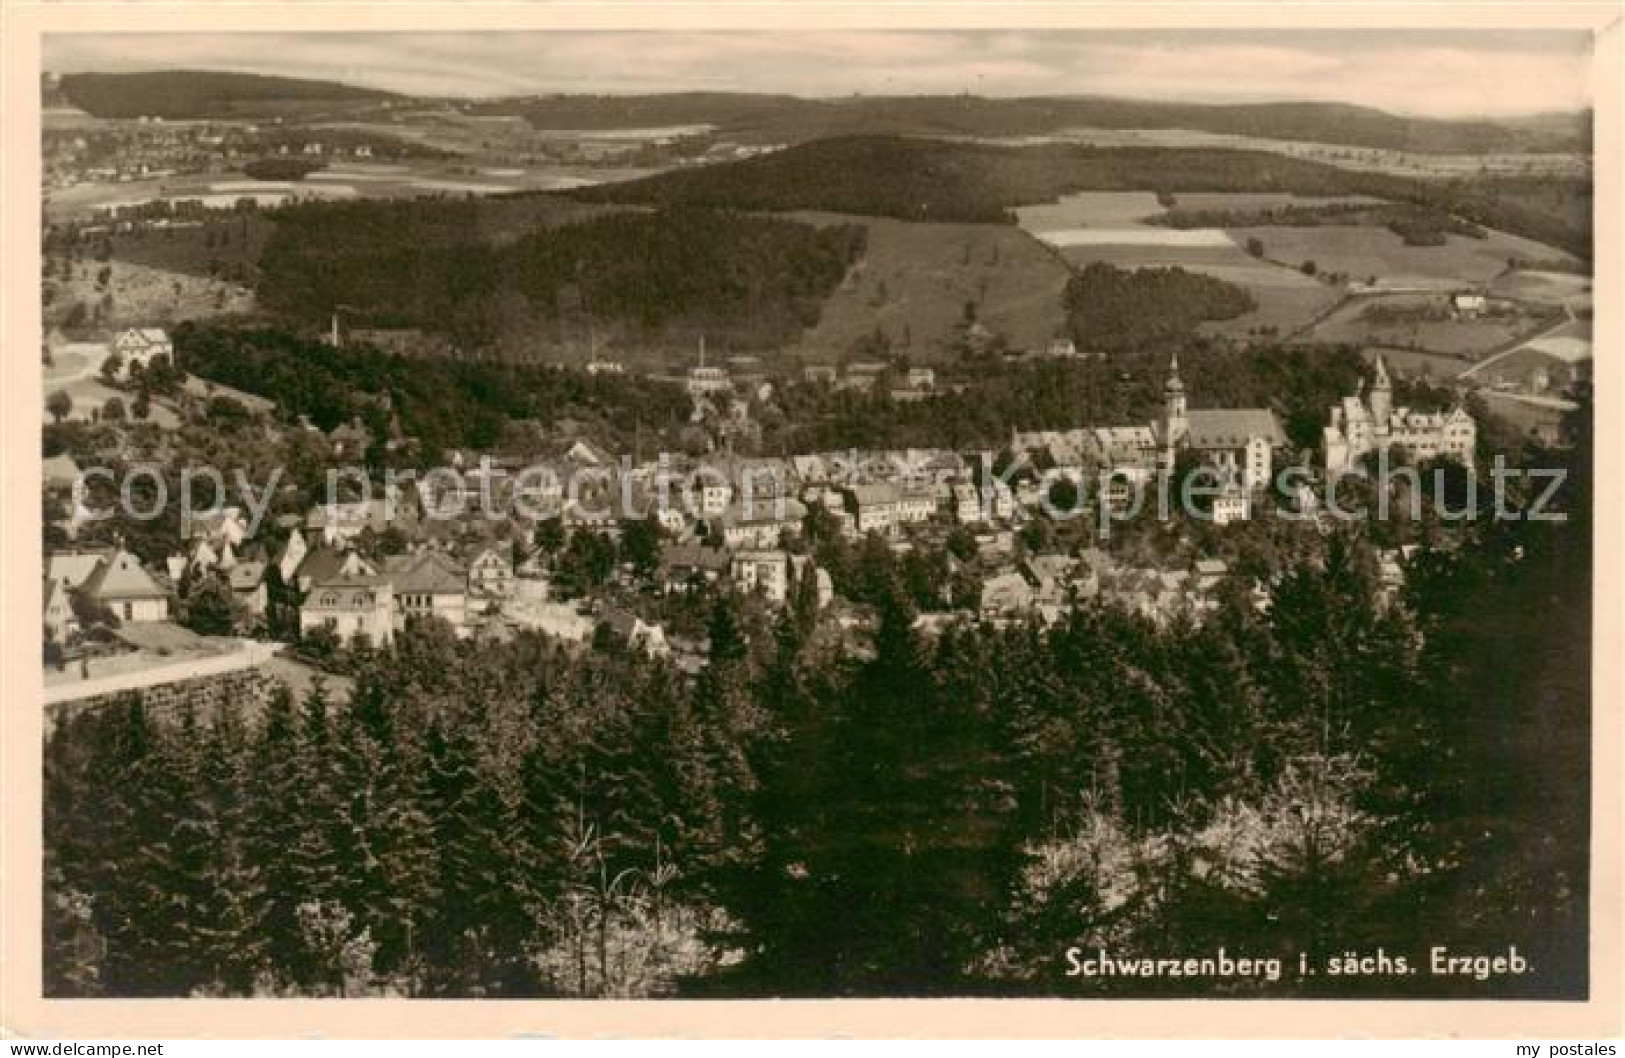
<point x="770" y="118"/>
<point x="789" y="119"/>
<point x="183" y="94"/>
<point x="939" y="180"/>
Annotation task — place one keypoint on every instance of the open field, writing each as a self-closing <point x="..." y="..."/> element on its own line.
<point x="1090" y="209"/>
<point x="1237" y="200"/>
<point x="1408" y="363"/>
<point x="349" y="180"/>
<point x="75" y="369"/>
<point x="1421" y="322"/>
<point x="1110" y="226"/>
<point x="914" y="281"/>
<point x="1366" y="253"/>
<point x="1131" y="209"/>
<point x="1537" y="416"/>
<point x="1360" y="159"/>
<point x="1287" y="299"/>
<point x="1555" y="287"/>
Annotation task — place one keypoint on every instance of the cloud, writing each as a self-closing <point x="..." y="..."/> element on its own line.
<point x="1429" y="72"/>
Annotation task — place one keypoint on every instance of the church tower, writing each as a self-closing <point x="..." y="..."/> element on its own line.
<point x="1382" y="395"/>
<point x="1176" y="424"/>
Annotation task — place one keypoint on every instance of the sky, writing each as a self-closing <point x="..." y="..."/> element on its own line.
<point x="1434" y="73"/>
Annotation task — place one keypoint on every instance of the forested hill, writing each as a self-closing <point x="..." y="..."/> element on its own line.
<point x="935" y="180"/>
<point x="788" y="119"/>
<point x="181" y="94"/>
<point x="431" y="265"/>
<point x="442" y="404"/>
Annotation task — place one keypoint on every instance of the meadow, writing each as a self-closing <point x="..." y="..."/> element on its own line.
<point x="914" y="281"/>
<point x="1372" y="254"/>
<point x="1536" y="285"/>
<point x="1111" y="226"/>
<point x="75" y="369"/>
<point x="1421" y="323"/>
<point x="1408" y="363"/>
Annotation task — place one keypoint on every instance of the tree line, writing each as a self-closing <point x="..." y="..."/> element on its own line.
<point x="440" y="403"/>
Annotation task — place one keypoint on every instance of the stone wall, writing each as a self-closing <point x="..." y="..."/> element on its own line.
<point x="246" y="690"/>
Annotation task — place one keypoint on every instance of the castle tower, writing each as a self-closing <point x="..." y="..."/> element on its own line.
<point x="1382" y="395"/>
<point x="1176" y="423"/>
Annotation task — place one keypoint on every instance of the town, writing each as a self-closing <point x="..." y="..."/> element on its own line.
<point x="727" y="545"/>
<point x="492" y="546"/>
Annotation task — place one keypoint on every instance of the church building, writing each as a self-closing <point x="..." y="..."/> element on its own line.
<point x="1240" y="441"/>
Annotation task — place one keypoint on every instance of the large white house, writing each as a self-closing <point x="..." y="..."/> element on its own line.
<point x="428" y="584"/>
<point x="1362" y="424"/>
<point x="349" y="609"/>
<point x="139" y="345"/>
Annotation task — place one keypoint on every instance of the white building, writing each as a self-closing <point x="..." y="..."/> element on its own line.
<point x="873" y="507"/>
<point x="361" y="607"/>
<point x="428" y="584"/>
<point x="124" y="586"/>
<point x="915" y="505"/>
<point x="765" y="571"/>
<point x="968" y="508"/>
<point x="139" y="345"/>
<point x="1232" y="505"/>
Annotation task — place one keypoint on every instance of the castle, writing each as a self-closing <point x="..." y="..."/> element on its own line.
<point x="1363" y="424"/>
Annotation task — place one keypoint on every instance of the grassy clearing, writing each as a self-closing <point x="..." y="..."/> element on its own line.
<point x="914" y="281"/>
<point x="1090" y="209"/>
<point x="1554" y="287"/>
<point x="75" y="369"/>
<point x="1365" y="252"/>
<point x="1283" y="308"/>
<point x="1228" y="200"/>
<point x="141" y="296"/>
<point x="1422" y="323"/>
<point x="1530" y="415"/>
<point x="1408" y="363"/>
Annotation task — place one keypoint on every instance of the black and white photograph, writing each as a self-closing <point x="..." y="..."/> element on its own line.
<point x="881" y="513"/>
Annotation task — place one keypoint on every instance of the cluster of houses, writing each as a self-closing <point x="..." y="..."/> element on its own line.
<point x="864" y="376"/>
<point x="461" y="538"/>
<point x="1049" y="585"/>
